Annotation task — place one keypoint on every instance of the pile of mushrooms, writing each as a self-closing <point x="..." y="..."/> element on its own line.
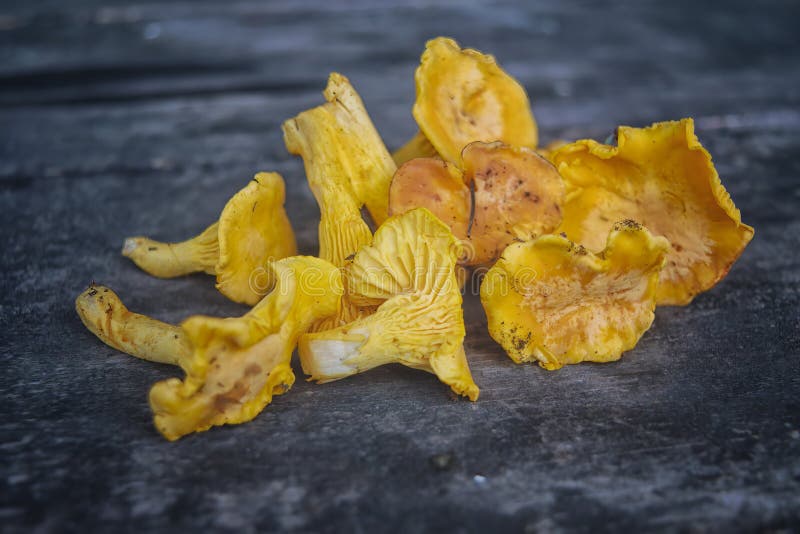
<point x="579" y="243"/>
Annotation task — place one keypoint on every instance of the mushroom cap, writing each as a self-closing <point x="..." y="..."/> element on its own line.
<point x="436" y="185"/>
<point x="464" y="96"/>
<point x="518" y="196"/>
<point x="253" y="231"/>
<point x="547" y="150"/>
<point x="238" y="364"/>
<point x="662" y="177"/>
<point x="552" y="301"/>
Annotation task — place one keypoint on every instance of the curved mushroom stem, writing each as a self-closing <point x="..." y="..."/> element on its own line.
<point x="104" y="314"/>
<point x="169" y="260"/>
<point x="416" y="147"/>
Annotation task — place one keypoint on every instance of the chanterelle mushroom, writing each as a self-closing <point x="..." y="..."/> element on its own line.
<point x="252" y="230"/>
<point x="409" y="273"/>
<point x="517" y="196"/>
<point x="662" y="177"/>
<point x="552" y="301"/>
<point x="464" y="96"/>
<point x="234" y="365"/>
<point x="238" y="364"/>
<point x="347" y="166"/>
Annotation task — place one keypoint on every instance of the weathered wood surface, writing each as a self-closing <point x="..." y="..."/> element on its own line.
<point x="123" y="119"/>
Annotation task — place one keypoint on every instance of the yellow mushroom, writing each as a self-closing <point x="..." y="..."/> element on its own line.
<point x="552" y="301"/>
<point x="252" y="230"/>
<point x="238" y="364"/>
<point x="464" y="96"/>
<point x="517" y="196"/>
<point x="233" y="365"/>
<point x="662" y="177"/>
<point x="104" y="315"/>
<point x="409" y="274"/>
<point x="347" y="166"/>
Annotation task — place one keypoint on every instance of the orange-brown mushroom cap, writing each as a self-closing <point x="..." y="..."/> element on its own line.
<point x="434" y="184"/>
<point x="662" y="177"/>
<point x="518" y="196"/>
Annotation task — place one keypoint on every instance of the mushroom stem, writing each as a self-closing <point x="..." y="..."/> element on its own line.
<point x="416" y="147"/>
<point x="329" y="355"/>
<point x="169" y="260"/>
<point x="104" y="314"/>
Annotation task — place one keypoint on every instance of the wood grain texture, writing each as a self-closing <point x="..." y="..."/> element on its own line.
<point x="143" y="118"/>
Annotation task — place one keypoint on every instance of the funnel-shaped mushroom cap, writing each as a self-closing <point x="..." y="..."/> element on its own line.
<point x="409" y="272"/>
<point x="464" y="96"/>
<point x="518" y="196"/>
<point x="238" y="364"/>
<point x="253" y="231"/>
<point x="552" y="301"/>
<point x="104" y="315"/>
<point x="662" y="177"/>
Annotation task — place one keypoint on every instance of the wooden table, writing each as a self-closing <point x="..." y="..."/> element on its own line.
<point x="120" y="120"/>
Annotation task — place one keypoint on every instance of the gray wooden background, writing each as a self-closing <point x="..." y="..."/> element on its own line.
<point x="120" y="119"/>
